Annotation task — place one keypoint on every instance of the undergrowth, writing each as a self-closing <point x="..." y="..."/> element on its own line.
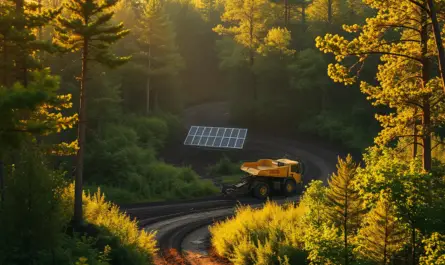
<point x="271" y="235"/>
<point x="124" y="241"/>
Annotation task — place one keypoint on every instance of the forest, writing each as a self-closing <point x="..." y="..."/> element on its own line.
<point x="92" y="91"/>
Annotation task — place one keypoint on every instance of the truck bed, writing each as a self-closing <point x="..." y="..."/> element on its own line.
<point x="261" y="167"/>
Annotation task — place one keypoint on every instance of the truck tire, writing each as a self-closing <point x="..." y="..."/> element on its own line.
<point x="289" y="188"/>
<point x="261" y="190"/>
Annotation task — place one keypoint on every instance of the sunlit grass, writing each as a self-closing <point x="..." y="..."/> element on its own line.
<point x="260" y="236"/>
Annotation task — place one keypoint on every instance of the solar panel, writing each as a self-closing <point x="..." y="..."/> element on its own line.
<point x="216" y="137"/>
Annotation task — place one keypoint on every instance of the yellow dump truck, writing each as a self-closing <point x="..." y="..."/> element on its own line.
<point x="283" y="176"/>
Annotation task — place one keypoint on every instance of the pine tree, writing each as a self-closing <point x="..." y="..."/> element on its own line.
<point x="345" y="204"/>
<point x="19" y="20"/>
<point x="400" y="34"/>
<point x="88" y="28"/>
<point x="159" y="54"/>
<point x="382" y="235"/>
<point x="247" y="22"/>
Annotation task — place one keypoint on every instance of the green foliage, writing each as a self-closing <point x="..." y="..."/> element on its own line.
<point x="169" y="182"/>
<point x="122" y="157"/>
<point x="243" y="18"/>
<point x="314" y="199"/>
<point x="406" y="83"/>
<point x="18" y="22"/>
<point x="224" y="166"/>
<point x="32" y="215"/>
<point x="434" y="250"/>
<point x="45" y="108"/>
<point x="344" y="202"/>
<point x="115" y="156"/>
<point x="269" y="235"/>
<point x="152" y="132"/>
<point x="127" y="244"/>
<point x="79" y="249"/>
<point x="158" y="53"/>
<point x="88" y="25"/>
<point x="324" y="245"/>
<point x="382" y="234"/>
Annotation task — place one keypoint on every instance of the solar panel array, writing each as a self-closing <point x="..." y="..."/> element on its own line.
<point x="216" y="137"/>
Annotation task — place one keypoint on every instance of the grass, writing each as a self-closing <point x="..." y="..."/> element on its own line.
<point x="267" y="236"/>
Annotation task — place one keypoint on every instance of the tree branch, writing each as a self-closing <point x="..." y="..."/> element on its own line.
<point x="385" y="53"/>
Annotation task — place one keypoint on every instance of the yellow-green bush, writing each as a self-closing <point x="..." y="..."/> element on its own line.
<point x="129" y="244"/>
<point x="271" y="235"/>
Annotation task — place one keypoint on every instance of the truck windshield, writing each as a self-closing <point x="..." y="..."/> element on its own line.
<point x="295" y="168"/>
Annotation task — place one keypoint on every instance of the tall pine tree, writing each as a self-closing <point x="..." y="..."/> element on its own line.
<point x="345" y="203"/>
<point x="86" y="27"/>
<point x="382" y="235"/>
<point x="158" y="52"/>
<point x="399" y="32"/>
<point x="247" y="22"/>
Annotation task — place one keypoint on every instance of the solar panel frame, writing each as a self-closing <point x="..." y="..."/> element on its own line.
<point x="216" y="137"/>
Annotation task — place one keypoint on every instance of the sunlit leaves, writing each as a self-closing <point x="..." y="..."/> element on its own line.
<point x="246" y="21"/>
<point x="36" y="109"/>
<point x="405" y="80"/>
<point x="434" y="250"/>
<point x="382" y="234"/>
<point x="277" y="40"/>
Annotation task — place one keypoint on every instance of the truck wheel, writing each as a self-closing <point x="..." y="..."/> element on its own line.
<point x="261" y="190"/>
<point x="290" y="187"/>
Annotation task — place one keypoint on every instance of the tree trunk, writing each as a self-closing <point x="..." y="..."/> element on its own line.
<point x="5" y="66"/>
<point x="385" y="243"/>
<point x="148" y="81"/>
<point x="81" y="134"/>
<point x="22" y="56"/>
<point x="438" y="39"/>
<point x="40" y="32"/>
<point x="2" y="185"/>
<point x="345" y="227"/>
<point x="303" y="16"/>
<point x="252" y="62"/>
<point x="413" y="245"/>
<point x="329" y="11"/>
<point x="426" y="120"/>
<point x="426" y="110"/>
<point x="414" y="151"/>
<point x="286" y="13"/>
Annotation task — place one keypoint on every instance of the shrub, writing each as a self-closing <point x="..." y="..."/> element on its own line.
<point x="173" y="182"/>
<point x="151" y="131"/>
<point x="31" y="216"/>
<point x="115" y="155"/>
<point x="270" y="235"/>
<point x="128" y="244"/>
<point x="224" y="167"/>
